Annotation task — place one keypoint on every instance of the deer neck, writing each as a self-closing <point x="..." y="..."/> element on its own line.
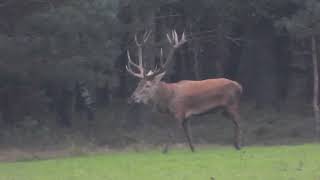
<point x="163" y="96"/>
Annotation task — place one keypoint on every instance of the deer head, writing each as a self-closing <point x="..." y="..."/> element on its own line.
<point x="149" y="82"/>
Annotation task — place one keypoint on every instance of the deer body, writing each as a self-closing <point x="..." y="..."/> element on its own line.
<point x="185" y="98"/>
<point x="189" y="98"/>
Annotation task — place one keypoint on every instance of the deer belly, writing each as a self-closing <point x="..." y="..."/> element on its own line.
<point x="200" y="109"/>
<point x="194" y="105"/>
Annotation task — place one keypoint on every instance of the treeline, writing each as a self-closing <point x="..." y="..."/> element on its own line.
<point x="50" y="48"/>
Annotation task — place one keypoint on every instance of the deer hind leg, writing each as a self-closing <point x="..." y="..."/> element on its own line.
<point x="234" y="115"/>
<point x="186" y="128"/>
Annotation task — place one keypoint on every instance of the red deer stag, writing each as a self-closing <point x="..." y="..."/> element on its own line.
<point x="185" y="98"/>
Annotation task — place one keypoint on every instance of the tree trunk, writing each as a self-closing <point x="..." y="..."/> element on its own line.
<point x="299" y="74"/>
<point x="125" y="16"/>
<point x="315" y="86"/>
<point x="222" y="50"/>
<point x="6" y="107"/>
<point x="194" y="49"/>
<point x="64" y="106"/>
<point x="196" y="63"/>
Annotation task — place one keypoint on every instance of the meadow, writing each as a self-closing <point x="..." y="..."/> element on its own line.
<point x="208" y="162"/>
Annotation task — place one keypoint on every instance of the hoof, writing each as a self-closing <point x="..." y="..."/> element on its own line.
<point x="237" y="146"/>
<point x="165" y="150"/>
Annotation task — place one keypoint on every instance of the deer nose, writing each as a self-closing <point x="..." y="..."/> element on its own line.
<point x="130" y="100"/>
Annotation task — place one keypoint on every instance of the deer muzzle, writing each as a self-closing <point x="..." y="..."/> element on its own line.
<point x="134" y="99"/>
<point x="130" y="100"/>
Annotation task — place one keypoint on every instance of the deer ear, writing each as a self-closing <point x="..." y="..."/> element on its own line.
<point x="159" y="76"/>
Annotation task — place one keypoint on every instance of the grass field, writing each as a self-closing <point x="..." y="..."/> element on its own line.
<point x="300" y="162"/>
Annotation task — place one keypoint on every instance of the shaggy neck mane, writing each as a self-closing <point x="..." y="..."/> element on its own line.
<point x="162" y="97"/>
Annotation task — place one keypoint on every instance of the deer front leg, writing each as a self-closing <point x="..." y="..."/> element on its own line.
<point x="186" y="126"/>
<point x="171" y="138"/>
<point x="172" y="134"/>
<point x="166" y="146"/>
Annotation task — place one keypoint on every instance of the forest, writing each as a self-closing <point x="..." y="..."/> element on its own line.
<point x="63" y="70"/>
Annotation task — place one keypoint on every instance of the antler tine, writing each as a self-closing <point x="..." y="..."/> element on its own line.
<point x="175" y="37"/>
<point x="130" y="62"/>
<point x="183" y="38"/>
<point x="156" y="69"/>
<point x="169" y="39"/>
<point x="133" y="73"/>
<point x="139" y="67"/>
<point x="140" y="60"/>
<point x="146" y="36"/>
<point x="136" y="40"/>
<point x="161" y="56"/>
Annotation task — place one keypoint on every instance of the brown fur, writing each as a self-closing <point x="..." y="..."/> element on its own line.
<point x="197" y="97"/>
<point x="188" y="98"/>
<point x="185" y="98"/>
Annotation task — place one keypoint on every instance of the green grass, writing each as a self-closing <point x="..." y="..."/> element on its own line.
<point x="271" y="163"/>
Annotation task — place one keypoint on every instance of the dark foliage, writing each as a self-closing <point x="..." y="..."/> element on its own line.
<point x="47" y="47"/>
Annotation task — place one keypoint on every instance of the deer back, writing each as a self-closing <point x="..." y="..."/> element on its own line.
<point x="196" y="97"/>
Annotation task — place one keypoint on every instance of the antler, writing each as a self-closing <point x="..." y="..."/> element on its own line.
<point x="139" y="66"/>
<point x="175" y="43"/>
